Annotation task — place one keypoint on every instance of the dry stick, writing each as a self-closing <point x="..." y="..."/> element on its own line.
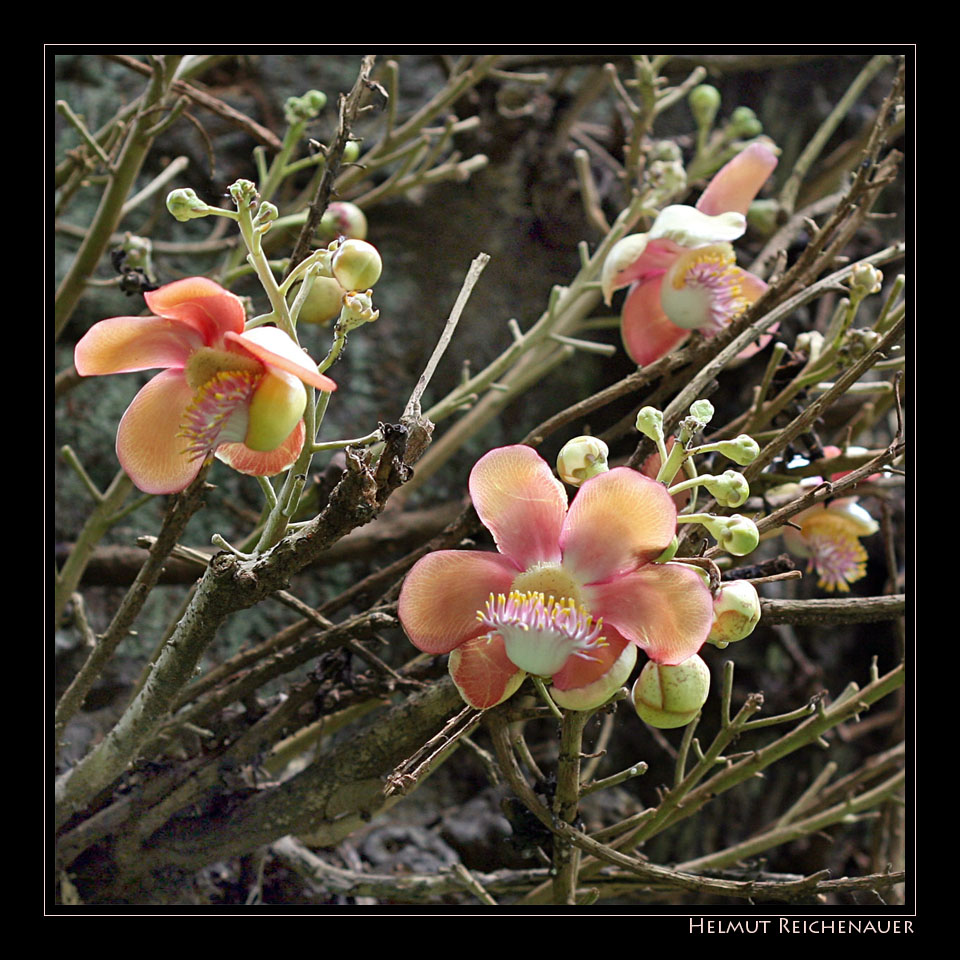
<point x="349" y="108"/>
<point x="473" y="275"/>
<point x="853" y="610"/>
<point x="211" y="103"/>
<point x="566" y="858"/>
<point x="646" y="871"/>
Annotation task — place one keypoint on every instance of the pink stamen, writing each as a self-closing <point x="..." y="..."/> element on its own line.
<point x="207" y="417"/>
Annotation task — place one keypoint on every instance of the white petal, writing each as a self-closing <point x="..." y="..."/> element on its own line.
<point x="691" y="228"/>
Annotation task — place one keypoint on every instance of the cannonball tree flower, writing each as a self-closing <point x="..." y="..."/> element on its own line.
<point x="571" y="593"/>
<point x="683" y="273"/>
<point x="238" y="394"/>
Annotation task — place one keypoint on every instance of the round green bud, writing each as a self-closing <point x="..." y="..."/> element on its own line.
<point x="351" y="152"/>
<point x="323" y="303"/>
<point x="744" y="123"/>
<point x="736" y="534"/>
<point x="741" y="450"/>
<point x="701" y="411"/>
<point x="356" y="264"/>
<point x="704" y="103"/>
<point x="582" y="458"/>
<point x="650" y="423"/>
<point x="185" y="205"/>
<point x="865" y="279"/>
<point x="266" y="213"/>
<point x="730" y="489"/>
<point x="304" y="109"/>
<point x="344" y="220"/>
<point x="671" y="695"/>
<point x="665" y="150"/>
<point x="763" y="216"/>
<point x="736" y="611"/>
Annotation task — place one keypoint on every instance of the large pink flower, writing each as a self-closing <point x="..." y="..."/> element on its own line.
<point x="683" y="272"/>
<point x="571" y="593"/>
<point x="239" y="394"/>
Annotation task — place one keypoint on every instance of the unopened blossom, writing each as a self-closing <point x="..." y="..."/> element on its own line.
<point x="683" y="274"/>
<point x="238" y="394"/>
<point x="571" y="593"/>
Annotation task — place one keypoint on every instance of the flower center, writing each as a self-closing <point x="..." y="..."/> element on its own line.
<point x="541" y="633"/>
<point x="206" y="362"/>
<point x="836" y="554"/>
<point x="219" y="412"/>
<point x="703" y="288"/>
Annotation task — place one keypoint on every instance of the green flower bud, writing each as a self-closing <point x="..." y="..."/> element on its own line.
<point x="243" y="192"/>
<point x="351" y="153"/>
<point x="667" y="177"/>
<point x="701" y="411"/>
<point x="864" y="280"/>
<point x="809" y="344"/>
<point x="741" y="450"/>
<point x="730" y="489"/>
<point x="736" y="611"/>
<point x="736" y="534"/>
<point x="763" y="216"/>
<point x="744" y="123"/>
<point x="857" y="343"/>
<point x="323" y="303"/>
<point x="304" y="109"/>
<point x="185" y="205"/>
<point x="266" y="214"/>
<point x="650" y="423"/>
<point x="357" y="309"/>
<point x="704" y="103"/>
<point x="344" y="220"/>
<point x="356" y="264"/>
<point x="665" y="150"/>
<point x="668" y="695"/>
<point x="582" y="458"/>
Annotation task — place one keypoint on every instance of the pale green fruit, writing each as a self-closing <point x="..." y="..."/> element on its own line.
<point x="667" y="695"/>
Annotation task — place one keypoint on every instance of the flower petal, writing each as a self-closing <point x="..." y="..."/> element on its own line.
<point x="665" y="608"/>
<point x="617" y="521"/>
<point x="148" y="446"/>
<point x="736" y="184"/>
<point x="483" y="673"/>
<point x="594" y="681"/>
<point x="274" y="348"/>
<point x="521" y="503"/>
<point x="126" y="344"/>
<point x="241" y="458"/>
<point x="444" y="592"/>
<point x="201" y="304"/>
<point x="637" y="257"/>
<point x="690" y="227"/>
<point x="647" y="332"/>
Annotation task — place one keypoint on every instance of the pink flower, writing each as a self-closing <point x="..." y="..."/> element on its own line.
<point x="571" y="593"/>
<point x="683" y="272"/>
<point x="238" y="394"/>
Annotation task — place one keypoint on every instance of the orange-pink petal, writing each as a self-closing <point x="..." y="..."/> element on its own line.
<point x="647" y="333"/>
<point x="241" y="458"/>
<point x="483" y="673"/>
<point x="125" y="344"/>
<point x="617" y="521"/>
<point x="274" y="348"/>
<point x="444" y="592"/>
<point x="521" y="503"/>
<point x="735" y="185"/>
<point x="665" y="608"/>
<point x="147" y="443"/>
<point x="579" y="672"/>
<point x="201" y="304"/>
